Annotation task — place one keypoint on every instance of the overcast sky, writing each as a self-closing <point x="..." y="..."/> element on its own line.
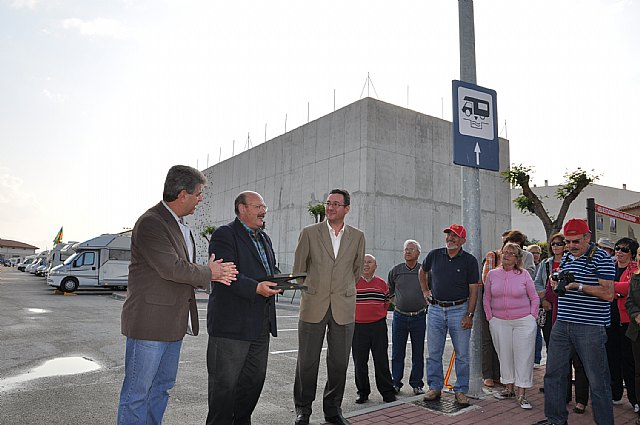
<point x="100" y="97"/>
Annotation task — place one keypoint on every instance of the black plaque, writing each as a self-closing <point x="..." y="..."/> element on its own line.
<point x="286" y="281"/>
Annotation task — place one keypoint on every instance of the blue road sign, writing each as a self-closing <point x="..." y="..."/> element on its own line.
<point x="475" y="126"/>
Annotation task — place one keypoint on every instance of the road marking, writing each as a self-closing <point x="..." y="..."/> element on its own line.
<point x="290" y="351"/>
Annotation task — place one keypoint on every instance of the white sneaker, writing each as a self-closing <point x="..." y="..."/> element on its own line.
<point x="636" y="408"/>
<point x="524" y="403"/>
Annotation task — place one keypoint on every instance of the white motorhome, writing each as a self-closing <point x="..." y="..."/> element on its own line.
<point x="41" y="259"/>
<point x="24" y="263"/>
<point x="60" y="253"/>
<point x="99" y="262"/>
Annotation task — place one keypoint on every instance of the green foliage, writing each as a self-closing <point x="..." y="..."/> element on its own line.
<point x="524" y="204"/>
<point x="316" y="209"/>
<point x="575" y="179"/>
<point x="517" y="175"/>
<point x="207" y="232"/>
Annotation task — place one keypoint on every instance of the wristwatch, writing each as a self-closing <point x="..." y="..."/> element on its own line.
<point x="580" y="287"/>
<point x="470" y="315"/>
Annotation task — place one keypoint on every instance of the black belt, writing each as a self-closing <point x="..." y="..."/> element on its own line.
<point x="411" y="313"/>
<point x="445" y="304"/>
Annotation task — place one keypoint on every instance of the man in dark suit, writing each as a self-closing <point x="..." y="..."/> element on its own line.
<point x="160" y="305"/>
<point x="241" y="317"/>
<point x="332" y="255"/>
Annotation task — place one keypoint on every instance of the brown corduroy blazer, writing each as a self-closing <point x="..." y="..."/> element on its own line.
<point x="160" y="294"/>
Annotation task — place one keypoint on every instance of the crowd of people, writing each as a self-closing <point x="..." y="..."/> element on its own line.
<point x="582" y="303"/>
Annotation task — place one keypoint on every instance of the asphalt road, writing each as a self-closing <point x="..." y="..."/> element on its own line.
<point x="37" y="326"/>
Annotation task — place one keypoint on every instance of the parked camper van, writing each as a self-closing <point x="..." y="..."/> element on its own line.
<point x="59" y="254"/>
<point x="99" y="262"/>
<point x="27" y="260"/>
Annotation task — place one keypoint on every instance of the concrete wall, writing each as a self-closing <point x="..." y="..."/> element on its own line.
<point x="531" y="225"/>
<point x="396" y="163"/>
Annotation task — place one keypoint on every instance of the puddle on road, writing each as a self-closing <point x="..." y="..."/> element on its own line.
<point x="56" y="367"/>
<point x="37" y="310"/>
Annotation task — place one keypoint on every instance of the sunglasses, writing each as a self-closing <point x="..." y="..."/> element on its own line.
<point x="558" y="244"/>
<point x="624" y="249"/>
<point x="572" y="241"/>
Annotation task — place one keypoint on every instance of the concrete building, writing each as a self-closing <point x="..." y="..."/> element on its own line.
<point x="14" y="249"/>
<point x="395" y="162"/>
<point x="531" y="225"/>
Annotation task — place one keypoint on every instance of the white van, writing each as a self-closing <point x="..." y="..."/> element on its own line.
<point x="59" y="254"/>
<point x="99" y="262"/>
<point x="27" y="260"/>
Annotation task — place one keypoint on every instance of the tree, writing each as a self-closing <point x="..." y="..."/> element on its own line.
<point x="529" y="203"/>
<point x="207" y="232"/>
<point x="316" y="210"/>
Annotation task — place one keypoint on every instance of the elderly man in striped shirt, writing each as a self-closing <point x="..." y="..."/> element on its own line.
<point x="370" y="333"/>
<point x="583" y="315"/>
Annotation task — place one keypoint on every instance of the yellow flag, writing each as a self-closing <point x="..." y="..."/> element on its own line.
<point x="58" y="237"/>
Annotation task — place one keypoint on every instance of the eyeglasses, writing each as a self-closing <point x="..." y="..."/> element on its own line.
<point x="259" y="207"/>
<point x="333" y="204"/>
<point x="558" y="244"/>
<point x="624" y="249"/>
<point x="509" y="254"/>
<point x="573" y="241"/>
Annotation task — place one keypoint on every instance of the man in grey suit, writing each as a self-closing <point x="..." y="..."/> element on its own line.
<point x="160" y="307"/>
<point x="332" y="255"/>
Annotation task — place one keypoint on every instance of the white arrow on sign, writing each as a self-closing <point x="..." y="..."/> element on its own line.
<point x="477" y="151"/>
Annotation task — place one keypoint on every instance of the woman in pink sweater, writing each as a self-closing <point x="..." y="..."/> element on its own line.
<point x="511" y="306"/>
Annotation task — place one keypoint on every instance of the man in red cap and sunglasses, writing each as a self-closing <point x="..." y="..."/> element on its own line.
<point x="452" y="290"/>
<point x="583" y="315"/>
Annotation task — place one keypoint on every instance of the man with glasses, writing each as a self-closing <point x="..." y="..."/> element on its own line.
<point x="583" y="315"/>
<point x="332" y="254"/>
<point x="452" y="290"/>
<point x="241" y="317"/>
<point x="409" y="318"/>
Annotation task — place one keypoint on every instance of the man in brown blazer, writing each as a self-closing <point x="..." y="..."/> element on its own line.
<point x="160" y="307"/>
<point x="332" y="255"/>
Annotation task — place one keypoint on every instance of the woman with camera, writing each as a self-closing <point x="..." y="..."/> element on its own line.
<point x="619" y="353"/>
<point x="511" y="307"/>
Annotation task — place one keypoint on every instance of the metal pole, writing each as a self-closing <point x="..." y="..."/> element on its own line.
<point x="471" y="193"/>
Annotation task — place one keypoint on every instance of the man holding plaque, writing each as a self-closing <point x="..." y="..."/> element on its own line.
<point x="332" y="255"/>
<point x="240" y="318"/>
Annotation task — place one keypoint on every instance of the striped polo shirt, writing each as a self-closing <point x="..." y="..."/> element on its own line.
<point x="578" y="307"/>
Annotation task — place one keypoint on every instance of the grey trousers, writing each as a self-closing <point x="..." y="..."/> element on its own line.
<point x="310" y="340"/>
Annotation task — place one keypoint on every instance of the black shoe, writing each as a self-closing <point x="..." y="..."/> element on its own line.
<point x="397" y="388"/>
<point x="362" y="399"/>
<point x="547" y="422"/>
<point x="338" y="419"/>
<point x="389" y="398"/>
<point x="302" y="419"/>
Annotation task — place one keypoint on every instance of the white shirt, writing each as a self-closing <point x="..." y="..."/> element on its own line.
<point x="186" y="231"/>
<point x="335" y="240"/>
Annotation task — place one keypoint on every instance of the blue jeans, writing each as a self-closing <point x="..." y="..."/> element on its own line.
<point x="589" y="342"/>
<point x="440" y="320"/>
<point x="538" y="351"/>
<point x="150" y="369"/>
<point x="401" y="328"/>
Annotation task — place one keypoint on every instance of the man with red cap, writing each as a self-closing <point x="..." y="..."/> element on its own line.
<point x="452" y="290"/>
<point x="583" y="315"/>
